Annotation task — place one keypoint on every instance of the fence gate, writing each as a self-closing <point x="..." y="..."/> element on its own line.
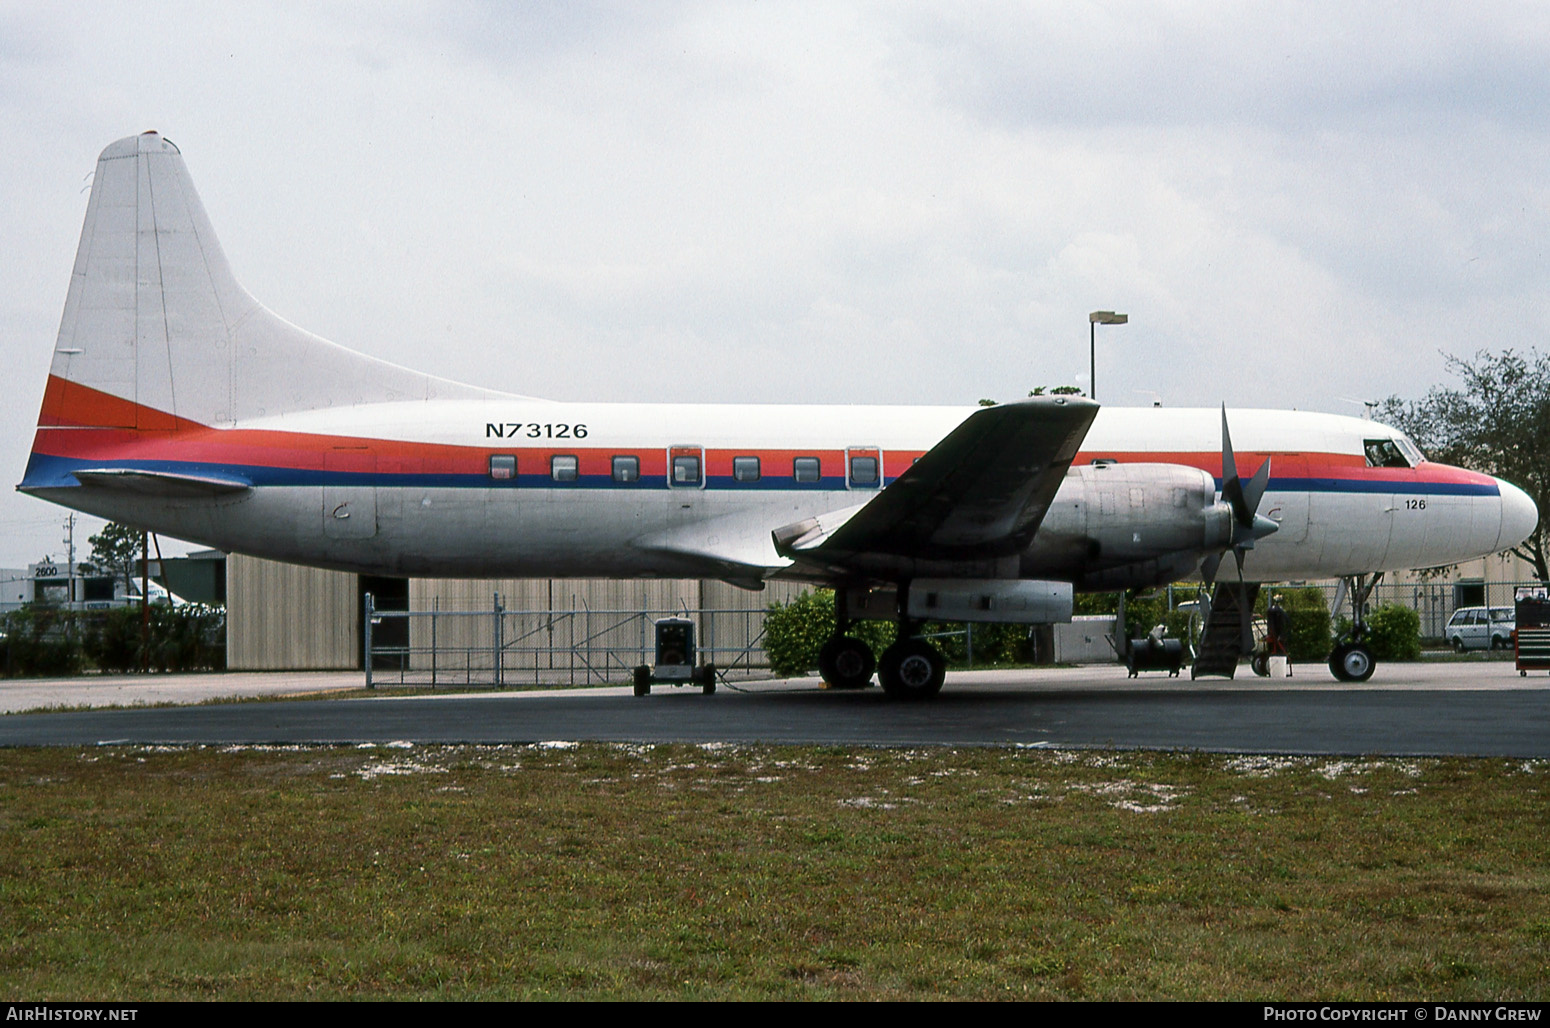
<point x="503" y="647"/>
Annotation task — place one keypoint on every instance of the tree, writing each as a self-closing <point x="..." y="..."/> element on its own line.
<point x="115" y="551"/>
<point x="1498" y="423"/>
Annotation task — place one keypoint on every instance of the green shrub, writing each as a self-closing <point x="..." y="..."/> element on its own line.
<point x="1394" y="633"/>
<point x="993" y="643"/>
<point x="1308" y="612"/>
<point x="112" y="641"/>
<point x="794" y="632"/>
<point x="45" y="641"/>
<point x="42" y="641"/>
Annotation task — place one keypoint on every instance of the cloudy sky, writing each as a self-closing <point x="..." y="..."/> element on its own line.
<point x="1298" y="204"/>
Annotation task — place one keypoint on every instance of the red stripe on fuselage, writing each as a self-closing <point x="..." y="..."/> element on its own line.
<point x="81" y="423"/>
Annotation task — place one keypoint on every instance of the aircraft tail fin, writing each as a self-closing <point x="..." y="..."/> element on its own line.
<point x="157" y="333"/>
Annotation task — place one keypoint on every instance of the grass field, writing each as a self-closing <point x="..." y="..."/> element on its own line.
<point x="600" y="871"/>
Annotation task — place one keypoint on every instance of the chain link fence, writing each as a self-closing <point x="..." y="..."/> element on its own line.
<point x="550" y="647"/>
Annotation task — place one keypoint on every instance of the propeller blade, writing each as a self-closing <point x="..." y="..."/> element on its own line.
<point x="1255" y="491"/>
<point x="1244" y="500"/>
<point x="1209" y="566"/>
<point x="1229" y="464"/>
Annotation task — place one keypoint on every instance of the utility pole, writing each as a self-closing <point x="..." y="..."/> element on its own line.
<point x="70" y="560"/>
<point x="145" y="600"/>
<point x="1095" y="319"/>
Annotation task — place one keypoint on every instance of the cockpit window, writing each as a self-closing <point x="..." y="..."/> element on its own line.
<point x="1411" y="451"/>
<point x="1384" y="453"/>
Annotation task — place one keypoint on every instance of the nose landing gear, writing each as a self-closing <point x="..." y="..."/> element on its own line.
<point x="1351" y="660"/>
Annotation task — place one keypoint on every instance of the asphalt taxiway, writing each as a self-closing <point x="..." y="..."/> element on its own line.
<point x="1442" y="708"/>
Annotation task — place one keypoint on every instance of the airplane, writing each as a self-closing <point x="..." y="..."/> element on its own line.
<point x="178" y="403"/>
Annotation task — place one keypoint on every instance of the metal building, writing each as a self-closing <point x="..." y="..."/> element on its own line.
<point x="288" y="617"/>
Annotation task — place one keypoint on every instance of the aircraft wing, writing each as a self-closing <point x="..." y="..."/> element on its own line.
<point x="978" y="494"/>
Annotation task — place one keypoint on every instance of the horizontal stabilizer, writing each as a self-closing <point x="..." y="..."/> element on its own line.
<point x="162" y="483"/>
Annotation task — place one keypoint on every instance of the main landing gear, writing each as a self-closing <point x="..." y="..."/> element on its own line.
<point x="846" y="663"/>
<point x="1351" y="660"/>
<point x="910" y="669"/>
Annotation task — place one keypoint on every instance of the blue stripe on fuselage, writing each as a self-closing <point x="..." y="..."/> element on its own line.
<point x="46" y="472"/>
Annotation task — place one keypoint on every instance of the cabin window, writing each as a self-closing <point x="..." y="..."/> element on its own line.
<point x="863" y="471"/>
<point x="626" y="469"/>
<point x="1384" y="453"/>
<point x="562" y="467"/>
<point x="745" y="469"/>
<point x="806" y="469"/>
<point x="686" y="470"/>
<point x="503" y="467"/>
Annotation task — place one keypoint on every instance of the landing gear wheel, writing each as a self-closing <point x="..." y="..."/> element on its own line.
<point x="1261" y="665"/>
<point x="1352" y="662"/>
<point x="642" y="680"/>
<point x="912" y="670"/>
<point x="846" y="663"/>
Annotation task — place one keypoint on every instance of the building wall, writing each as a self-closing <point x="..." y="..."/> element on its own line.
<point x="284" y="617"/>
<point x="566" y="624"/>
<point x="288" y="617"/>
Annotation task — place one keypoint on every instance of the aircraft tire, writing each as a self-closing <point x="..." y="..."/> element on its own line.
<point x="1352" y="662"/>
<point x="846" y="663"/>
<point x="642" y="680"/>
<point x="912" y="669"/>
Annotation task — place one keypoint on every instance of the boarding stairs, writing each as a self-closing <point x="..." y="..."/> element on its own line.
<point x="1221" y="640"/>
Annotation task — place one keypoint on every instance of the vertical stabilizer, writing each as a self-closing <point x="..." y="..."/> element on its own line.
<point x="157" y="332"/>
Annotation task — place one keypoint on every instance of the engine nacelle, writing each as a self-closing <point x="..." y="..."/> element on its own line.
<point x="1125" y="525"/>
<point x="1002" y="601"/>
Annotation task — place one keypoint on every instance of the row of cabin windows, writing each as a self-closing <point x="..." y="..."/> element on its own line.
<point x="563" y="467"/>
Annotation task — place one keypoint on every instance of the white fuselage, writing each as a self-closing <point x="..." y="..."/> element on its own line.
<point x="407" y="488"/>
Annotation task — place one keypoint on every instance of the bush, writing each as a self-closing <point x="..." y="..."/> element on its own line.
<point x="794" y="632"/>
<point x="1394" y="633"/>
<point x="112" y="642"/>
<point x="45" y="641"/>
<point x="993" y="643"/>
<point x="41" y="641"/>
<point x="1310" y="638"/>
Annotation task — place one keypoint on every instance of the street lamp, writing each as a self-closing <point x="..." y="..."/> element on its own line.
<point x="1095" y="319"/>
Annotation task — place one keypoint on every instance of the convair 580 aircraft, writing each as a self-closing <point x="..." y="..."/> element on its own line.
<point x="178" y="403"/>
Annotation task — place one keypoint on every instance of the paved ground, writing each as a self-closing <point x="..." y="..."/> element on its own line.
<point x="147" y="690"/>
<point x="32" y="694"/>
<point x="1473" y="708"/>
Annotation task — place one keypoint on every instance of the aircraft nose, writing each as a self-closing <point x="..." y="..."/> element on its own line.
<point x="1519" y="516"/>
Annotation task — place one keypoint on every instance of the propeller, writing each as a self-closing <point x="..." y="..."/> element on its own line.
<point x="1247" y="524"/>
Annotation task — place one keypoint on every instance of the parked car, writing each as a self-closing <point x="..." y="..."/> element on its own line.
<point x="1479" y="628"/>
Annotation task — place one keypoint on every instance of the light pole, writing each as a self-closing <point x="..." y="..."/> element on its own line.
<point x="1095" y="319"/>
